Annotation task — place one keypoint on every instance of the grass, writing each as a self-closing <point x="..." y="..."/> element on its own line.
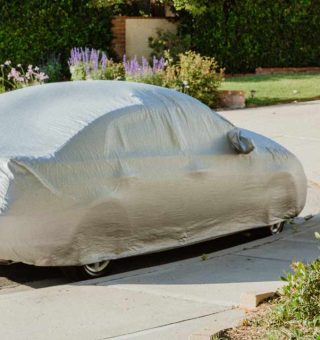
<point x="276" y="88"/>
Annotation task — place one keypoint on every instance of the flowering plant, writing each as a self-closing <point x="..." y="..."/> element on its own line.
<point x="191" y="73"/>
<point x="144" y="72"/>
<point x="86" y="64"/>
<point x="198" y="76"/>
<point x="16" y="77"/>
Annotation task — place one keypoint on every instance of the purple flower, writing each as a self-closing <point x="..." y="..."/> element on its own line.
<point x="133" y="68"/>
<point x="91" y="60"/>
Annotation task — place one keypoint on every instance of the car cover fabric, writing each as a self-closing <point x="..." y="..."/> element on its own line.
<point x="99" y="170"/>
<point x="239" y="143"/>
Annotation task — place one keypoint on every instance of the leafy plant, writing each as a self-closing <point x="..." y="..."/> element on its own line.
<point x="297" y="310"/>
<point x="167" y="41"/>
<point x="195" y="75"/>
<point x="300" y="297"/>
<point x="45" y="27"/>
<point x="53" y="68"/>
<point x="246" y="34"/>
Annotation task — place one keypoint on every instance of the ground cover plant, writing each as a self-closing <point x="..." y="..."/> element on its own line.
<point x="276" y="88"/>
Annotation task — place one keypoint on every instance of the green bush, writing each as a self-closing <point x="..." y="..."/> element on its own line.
<point x="296" y="312"/>
<point x="53" y="68"/>
<point x="247" y="34"/>
<point x="198" y="76"/>
<point x="167" y="41"/>
<point x="300" y="299"/>
<point x="31" y="31"/>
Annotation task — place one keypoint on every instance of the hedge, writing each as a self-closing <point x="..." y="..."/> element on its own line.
<point x="32" y="31"/>
<point x="245" y="34"/>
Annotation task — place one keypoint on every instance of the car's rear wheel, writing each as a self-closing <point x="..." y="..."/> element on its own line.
<point x="276" y="228"/>
<point x="88" y="271"/>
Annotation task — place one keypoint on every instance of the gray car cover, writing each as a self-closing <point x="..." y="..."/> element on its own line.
<point x="100" y="170"/>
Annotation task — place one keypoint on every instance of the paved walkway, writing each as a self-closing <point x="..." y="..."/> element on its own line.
<point x="175" y="300"/>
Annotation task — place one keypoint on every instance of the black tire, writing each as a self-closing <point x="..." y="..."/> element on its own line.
<point x="276" y="228"/>
<point x="90" y="271"/>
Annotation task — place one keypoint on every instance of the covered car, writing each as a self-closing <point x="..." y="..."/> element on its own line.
<point x="99" y="170"/>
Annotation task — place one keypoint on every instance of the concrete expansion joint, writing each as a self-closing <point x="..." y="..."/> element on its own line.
<point x="174" y="296"/>
<point x="123" y="336"/>
<point x="264" y="258"/>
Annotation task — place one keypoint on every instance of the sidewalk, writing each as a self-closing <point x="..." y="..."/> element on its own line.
<point x="175" y="300"/>
<point x="165" y="302"/>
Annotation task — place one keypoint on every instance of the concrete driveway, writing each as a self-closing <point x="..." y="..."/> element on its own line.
<point x="176" y="300"/>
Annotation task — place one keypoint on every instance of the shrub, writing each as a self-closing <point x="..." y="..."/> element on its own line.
<point x="298" y="308"/>
<point x="53" y="68"/>
<point x="198" y="76"/>
<point x="167" y="41"/>
<point x="31" y="31"/>
<point x="300" y="298"/>
<point x="246" y="34"/>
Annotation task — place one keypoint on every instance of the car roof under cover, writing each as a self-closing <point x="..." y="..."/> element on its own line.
<point x="37" y="121"/>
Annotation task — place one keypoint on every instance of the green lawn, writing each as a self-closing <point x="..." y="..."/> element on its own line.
<point x="276" y="88"/>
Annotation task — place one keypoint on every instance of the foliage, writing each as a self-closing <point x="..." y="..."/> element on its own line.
<point x="53" y="68"/>
<point x="247" y="34"/>
<point x="86" y="64"/>
<point x="196" y="7"/>
<point x="297" y="311"/>
<point x="198" y="76"/>
<point x="129" y="7"/>
<point x="16" y="77"/>
<point x="300" y="297"/>
<point x="31" y="31"/>
<point x="275" y="88"/>
<point x="167" y="41"/>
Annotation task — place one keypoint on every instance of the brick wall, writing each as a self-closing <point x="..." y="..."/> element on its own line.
<point x="119" y="35"/>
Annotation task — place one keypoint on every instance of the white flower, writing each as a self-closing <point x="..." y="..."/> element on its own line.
<point x="7" y="62"/>
<point x="36" y="68"/>
<point x="19" y="65"/>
